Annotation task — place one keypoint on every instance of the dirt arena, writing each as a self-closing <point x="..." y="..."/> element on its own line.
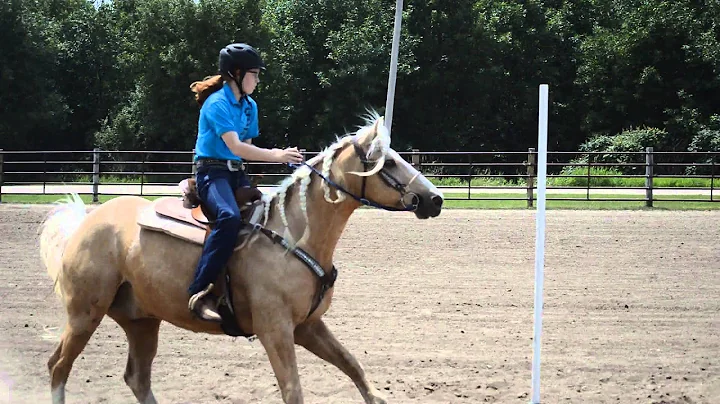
<point x="438" y="311"/>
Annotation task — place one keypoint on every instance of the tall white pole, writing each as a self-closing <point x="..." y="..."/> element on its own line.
<point x="389" y="101"/>
<point x="540" y="239"/>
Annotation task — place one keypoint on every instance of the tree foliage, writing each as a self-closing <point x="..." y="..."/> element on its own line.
<point x="79" y="74"/>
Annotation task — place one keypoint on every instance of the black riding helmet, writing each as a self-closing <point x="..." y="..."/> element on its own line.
<point x="239" y="56"/>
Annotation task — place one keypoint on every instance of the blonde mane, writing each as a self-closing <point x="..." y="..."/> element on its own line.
<point x="380" y="145"/>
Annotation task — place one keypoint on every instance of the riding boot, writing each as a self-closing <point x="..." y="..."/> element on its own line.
<point x="201" y="305"/>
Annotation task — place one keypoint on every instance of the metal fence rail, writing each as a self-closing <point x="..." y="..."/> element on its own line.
<point x="588" y="176"/>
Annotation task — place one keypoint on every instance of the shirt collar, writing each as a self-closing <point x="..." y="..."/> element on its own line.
<point x="229" y="94"/>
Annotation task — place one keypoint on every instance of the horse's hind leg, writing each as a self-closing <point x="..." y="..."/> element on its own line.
<point x="84" y="316"/>
<point x="142" y="335"/>
<point x="317" y="338"/>
<point x="72" y="342"/>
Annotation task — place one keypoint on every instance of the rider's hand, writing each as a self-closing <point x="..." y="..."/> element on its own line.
<point x="289" y="155"/>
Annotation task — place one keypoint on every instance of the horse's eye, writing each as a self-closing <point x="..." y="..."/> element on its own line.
<point x="390" y="163"/>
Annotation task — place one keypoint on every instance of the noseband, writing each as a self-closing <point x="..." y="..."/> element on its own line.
<point x="408" y="205"/>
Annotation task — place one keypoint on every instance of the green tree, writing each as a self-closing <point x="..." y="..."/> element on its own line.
<point x="654" y="65"/>
<point x="329" y="63"/>
<point x="32" y="109"/>
<point x="166" y="46"/>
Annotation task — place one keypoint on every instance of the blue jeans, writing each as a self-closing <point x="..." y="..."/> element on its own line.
<point x="216" y="187"/>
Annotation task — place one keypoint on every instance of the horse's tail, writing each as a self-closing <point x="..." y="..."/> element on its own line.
<point x="59" y="225"/>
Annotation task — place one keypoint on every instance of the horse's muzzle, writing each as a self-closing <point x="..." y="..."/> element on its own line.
<point x="430" y="206"/>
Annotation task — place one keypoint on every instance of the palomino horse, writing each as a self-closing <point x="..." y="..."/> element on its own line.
<point x="104" y="263"/>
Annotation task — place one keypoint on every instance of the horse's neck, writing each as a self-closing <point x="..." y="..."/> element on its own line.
<point x="327" y="221"/>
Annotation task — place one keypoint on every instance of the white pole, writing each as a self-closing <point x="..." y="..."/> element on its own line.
<point x="540" y="239"/>
<point x="393" y="66"/>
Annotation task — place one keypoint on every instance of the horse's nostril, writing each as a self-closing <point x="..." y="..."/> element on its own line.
<point x="437" y="200"/>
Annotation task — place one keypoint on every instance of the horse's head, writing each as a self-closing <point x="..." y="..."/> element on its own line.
<point x="376" y="175"/>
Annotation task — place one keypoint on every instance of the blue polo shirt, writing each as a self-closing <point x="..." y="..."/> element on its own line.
<point x="221" y="113"/>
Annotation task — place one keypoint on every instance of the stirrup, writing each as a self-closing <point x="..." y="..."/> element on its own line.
<point x="202" y="308"/>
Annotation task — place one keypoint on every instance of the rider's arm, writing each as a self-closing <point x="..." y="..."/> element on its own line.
<point x="219" y="116"/>
<point x="246" y="150"/>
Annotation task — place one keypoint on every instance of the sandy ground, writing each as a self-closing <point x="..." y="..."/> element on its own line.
<point x="437" y="311"/>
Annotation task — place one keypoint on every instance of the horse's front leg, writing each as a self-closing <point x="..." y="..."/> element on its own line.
<point x="317" y="338"/>
<point x="276" y="334"/>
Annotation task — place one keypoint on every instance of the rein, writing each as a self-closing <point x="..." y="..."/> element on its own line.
<point x="327" y="279"/>
<point x="386" y="176"/>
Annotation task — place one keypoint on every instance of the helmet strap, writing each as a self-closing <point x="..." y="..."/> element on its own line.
<point x="238" y="81"/>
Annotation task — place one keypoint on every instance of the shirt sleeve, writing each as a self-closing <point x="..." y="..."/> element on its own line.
<point x="219" y="117"/>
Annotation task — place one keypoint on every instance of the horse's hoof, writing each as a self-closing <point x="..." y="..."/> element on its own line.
<point x="378" y="398"/>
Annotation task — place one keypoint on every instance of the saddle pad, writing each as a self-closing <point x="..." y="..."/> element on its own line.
<point x="173" y="208"/>
<point x="151" y="220"/>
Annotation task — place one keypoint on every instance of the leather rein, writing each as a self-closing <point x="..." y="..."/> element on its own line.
<point x="387" y="177"/>
<point x="327" y="279"/>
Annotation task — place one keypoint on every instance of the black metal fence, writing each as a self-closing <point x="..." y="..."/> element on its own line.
<point x="590" y="176"/>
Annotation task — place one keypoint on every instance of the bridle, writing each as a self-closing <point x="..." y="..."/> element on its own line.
<point x="327" y="279"/>
<point x="408" y="199"/>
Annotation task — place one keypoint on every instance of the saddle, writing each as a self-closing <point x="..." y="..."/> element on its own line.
<point x="186" y="218"/>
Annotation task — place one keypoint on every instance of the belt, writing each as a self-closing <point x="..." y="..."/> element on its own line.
<point x="232" y="165"/>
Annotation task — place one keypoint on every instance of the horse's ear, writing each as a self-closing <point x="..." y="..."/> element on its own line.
<point x="375" y="139"/>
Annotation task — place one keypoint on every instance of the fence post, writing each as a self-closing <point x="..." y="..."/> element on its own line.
<point x="2" y="160"/>
<point x="44" y="171"/>
<point x="96" y="174"/>
<point x="415" y="158"/>
<point x="589" y="178"/>
<point x="530" y="176"/>
<point x="193" y="169"/>
<point x="649" y="177"/>
<point x="470" y="175"/>
<point x="142" y="172"/>
<point x="712" y="176"/>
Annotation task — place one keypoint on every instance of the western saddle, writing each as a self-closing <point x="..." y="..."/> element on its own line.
<point x="189" y="210"/>
<point x="186" y="218"/>
<point x="248" y="200"/>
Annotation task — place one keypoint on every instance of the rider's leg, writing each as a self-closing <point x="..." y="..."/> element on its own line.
<point x="253" y="208"/>
<point x="216" y="190"/>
